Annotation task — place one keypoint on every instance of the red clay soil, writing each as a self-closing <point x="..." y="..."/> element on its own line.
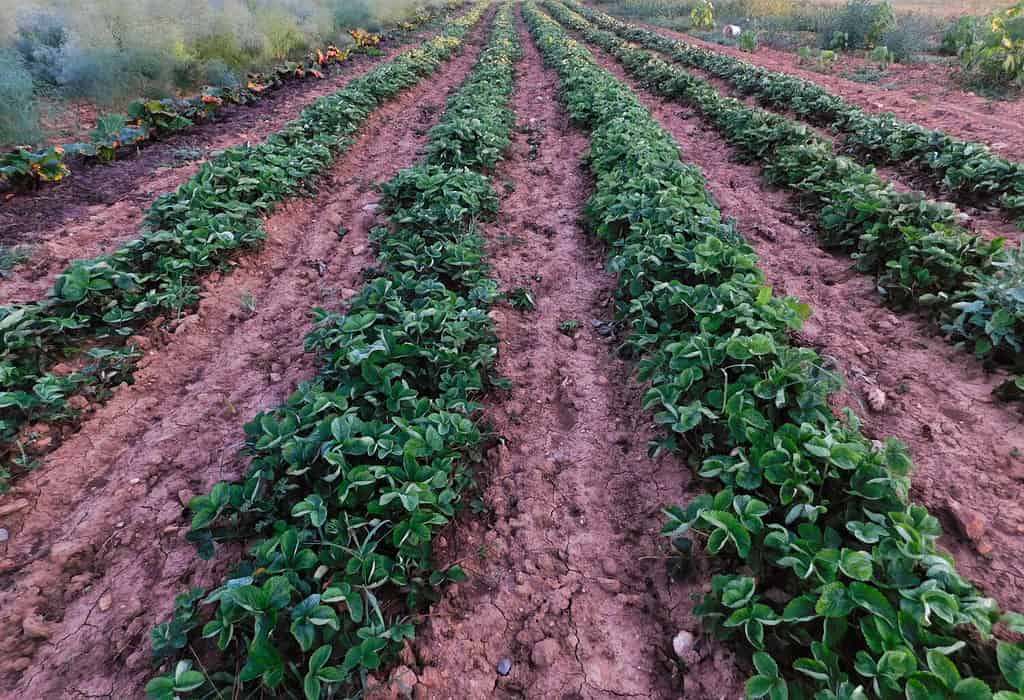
<point x="97" y="551"/>
<point x="567" y="577"/>
<point x="101" y="206"/>
<point x="987" y="223"/>
<point x="934" y="397"/>
<point x="928" y="100"/>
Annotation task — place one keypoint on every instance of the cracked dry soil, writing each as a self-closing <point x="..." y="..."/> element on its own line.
<point x="96" y="558"/>
<point x="567" y="577"/>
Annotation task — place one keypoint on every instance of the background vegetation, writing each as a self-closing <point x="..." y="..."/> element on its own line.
<point x="108" y="52"/>
<point x="986" y="35"/>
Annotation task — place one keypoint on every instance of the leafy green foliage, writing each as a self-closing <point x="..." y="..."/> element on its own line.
<point x="150" y="119"/>
<point x="916" y="250"/>
<point x="863" y="602"/>
<point x="188" y="233"/>
<point x="351" y="479"/>
<point x="569" y="326"/>
<point x="521" y="299"/>
<point x="968" y="170"/>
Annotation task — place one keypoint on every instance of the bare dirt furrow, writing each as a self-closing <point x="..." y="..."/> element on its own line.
<point x="568" y="582"/>
<point x="968" y="446"/>
<point x="97" y="552"/>
<point x="987" y="223"/>
<point x="102" y="206"/>
<point x="936" y="104"/>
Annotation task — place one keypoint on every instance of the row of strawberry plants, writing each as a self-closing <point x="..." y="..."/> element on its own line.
<point x="354" y="475"/>
<point x="186" y="234"/>
<point x="920" y="257"/>
<point x="967" y="169"/>
<point x="151" y="120"/>
<point x="835" y="584"/>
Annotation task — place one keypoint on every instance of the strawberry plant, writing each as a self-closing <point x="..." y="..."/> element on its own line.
<point x="919" y="255"/>
<point x="828" y="576"/>
<point x="188" y="233"/>
<point x="353" y="476"/>
<point x="968" y="170"/>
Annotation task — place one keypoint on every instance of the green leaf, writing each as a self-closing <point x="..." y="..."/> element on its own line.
<point x="834" y="601"/>
<point x="941" y="666"/>
<point x="759" y="686"/>
<point x="972" y="689"/>
<point x="873" y="600"/>
<point x="1011" y="663"/>
<point x="766" y="665"/>
<point x="857" y="565"/>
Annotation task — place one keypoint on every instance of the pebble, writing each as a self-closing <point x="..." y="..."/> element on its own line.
<point x="78" y="403"/>
<point x="14" y="506"/>
<point x="35" y="628"/>
<point x="62" y="552"/>
<point x="970" y="524"/>
<point x="106" y="600"/>
<point x="682" y="643"/>
<point x="4" y="534"/>
<point x="545" y="652"/>
<point x="358" y="250"/>
<point x="403" y="680"/>
<point x="876" y="399"/>
<point x="184" y="496"/>
<point x="504" y="666"/>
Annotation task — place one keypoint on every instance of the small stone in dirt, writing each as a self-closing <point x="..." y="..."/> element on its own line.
<point x="275" y="377"/>
<point x="610" y="566"/>
<point x="14" y="506"/>
<point x="876" y="399"/>
<point x="184" y="496"/>
<point x="682" y="643"/>
<point x="371" y="207"/>
<point x="544" y="653"/>
<point x="78" y="403"/>
<point x="403" y="680"/>
<point x="106" y="600"/>
<point x="505" y="666"/>
<point x="141" y="342"/>
<point x="4" y="534"/>
<point x="610" y="585"/>
<point x="63" y="552"/>
<point x="35" y="628"/>
<point x="969" y="523"/>
<point x="358" y="249"/>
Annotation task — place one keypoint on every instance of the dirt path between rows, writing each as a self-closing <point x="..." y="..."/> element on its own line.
<point x="961" y="114"/>
<point x="987" y="223"/>
<point x="967" y="445"/>
<point x="100" y="207"/>
<point x="97" y="551"/>
<point x="568" y="583"/>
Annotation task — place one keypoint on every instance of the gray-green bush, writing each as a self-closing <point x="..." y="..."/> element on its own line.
<point x="18" y="116"/>
<point x="113" y="51"/>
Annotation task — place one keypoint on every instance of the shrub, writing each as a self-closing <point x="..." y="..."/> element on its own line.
<point x="959" y="35"/>
<point x="703" y="15"/>
<point x="910" y="38"/>
<point x="858" y="24"/>
<point x="995" y="57"/>
<point x="40" y="38"/>
<point x="19" y="120"/>
<point x="111" y="78"/>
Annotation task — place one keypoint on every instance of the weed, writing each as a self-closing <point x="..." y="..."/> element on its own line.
<point x="570" y="326"/>
<point x="521" y="299"/>
<point x="11" y="258"/>
<point x="248" y="304"/>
